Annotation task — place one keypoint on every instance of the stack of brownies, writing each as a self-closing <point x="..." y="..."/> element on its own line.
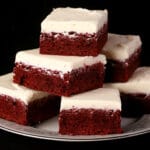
<point x="75" y="56"/>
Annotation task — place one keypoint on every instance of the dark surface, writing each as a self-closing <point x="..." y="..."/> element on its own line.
<point x="12" y="141"/>
<point x="20" y="23"/>
<point x="20" y="29"/>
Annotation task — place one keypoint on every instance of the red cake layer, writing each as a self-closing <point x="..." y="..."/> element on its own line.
<point x="89" y="122"/>
<point x="134" y="105"/>
<point x="74" y="44"/>
<point x="121" y="71"/>
<point x="39" y="110"/>
<point x="76" y="81"/>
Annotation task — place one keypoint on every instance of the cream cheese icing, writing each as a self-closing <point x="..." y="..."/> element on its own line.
<point x="101" y="98"/>
<point x="57" y="62"/>
<point x="138" y="83"/>
<point x="74" y="19"/>
<point x="121" y="47"/>
<point x="7" y="87"/>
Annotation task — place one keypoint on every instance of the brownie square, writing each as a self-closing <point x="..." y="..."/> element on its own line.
<point x="96" y="112"/>
<point x="59" y="75"/>
<point x="135" y="93"/>
<point x="74" y="31"/>
<point x="123" y="56"/>
<point x="25" y="106"/>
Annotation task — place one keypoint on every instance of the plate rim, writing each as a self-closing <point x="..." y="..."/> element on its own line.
<point x="50" y="135"/>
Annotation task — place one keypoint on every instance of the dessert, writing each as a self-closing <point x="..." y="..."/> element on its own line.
<point x="96" y="112"/>
<point x="135" y="93"/>
<point x="123" y="55"/>
<point x="25" y="106"/>
<point x="59" y="75"/>
<point x="74" y="31"/>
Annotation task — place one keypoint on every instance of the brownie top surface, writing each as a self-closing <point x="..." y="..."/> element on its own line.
<point x="101" y="98"/>
<point x="139" y="82"/>
<point x="8" y="88"/>
<point x="121" y="47"/>
<point x="57" y="62"/>
<point x="74" y="19"/>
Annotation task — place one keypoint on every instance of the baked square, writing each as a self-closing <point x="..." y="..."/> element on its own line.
<point x="74" y="31"/>
<point x="135" y="93"/>
<point x="25" y="106"/>
<point x="123" y="56"/>
<point x="96" y="112"/>
<point x="59" y="75"/>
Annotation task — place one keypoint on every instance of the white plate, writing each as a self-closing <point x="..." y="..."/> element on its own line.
<point x="49" y="130"/>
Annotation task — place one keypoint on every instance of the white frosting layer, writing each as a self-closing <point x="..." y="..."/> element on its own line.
<point x="138" y="83"/>
<point x="74" y="19"/>
<point x="7" y="87"/>
<point x="101" y="98"/>
<point x="121" y="47"/>
<point x="56" y="62"/>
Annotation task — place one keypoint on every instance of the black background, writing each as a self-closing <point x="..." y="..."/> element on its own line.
<point x="20" y="23"/>
<point x="20" y="29"/>
<point x="11" y="142"/>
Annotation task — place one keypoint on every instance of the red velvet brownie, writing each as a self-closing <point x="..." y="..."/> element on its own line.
<point x="25" y="106"/>
<point x="74" y="31"/>
<point x="59" y="75"/>
<point x="96" y="112"/>
<point x="135" y="94"/>
<point x="123" y="55"/>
